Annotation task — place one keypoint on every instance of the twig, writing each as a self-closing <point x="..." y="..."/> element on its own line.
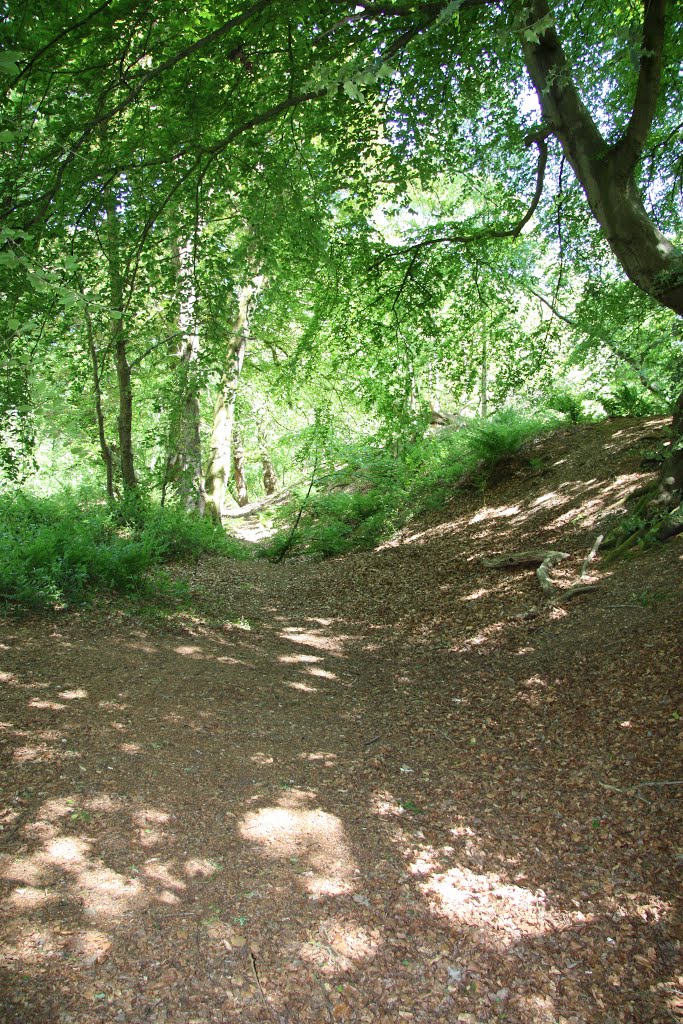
<point x="677" y="782"/>
<point x="628" y="792"/>
<point x="441" y="732"/>
<point x="252" y="961"/>
<point x="591" y="555"/>
<point x="370" y="742"/>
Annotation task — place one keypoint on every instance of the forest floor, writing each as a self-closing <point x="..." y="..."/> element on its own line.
<point x="361" y="789"/>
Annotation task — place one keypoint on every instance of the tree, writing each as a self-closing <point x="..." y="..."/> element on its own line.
<point x="118" y="120"/>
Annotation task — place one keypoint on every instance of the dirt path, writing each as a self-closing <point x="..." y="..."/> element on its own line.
<point x="359" y="790"/>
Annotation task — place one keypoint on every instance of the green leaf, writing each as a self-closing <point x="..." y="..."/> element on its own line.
<point x="353" y="92"/>
<point x="8" y="62"/>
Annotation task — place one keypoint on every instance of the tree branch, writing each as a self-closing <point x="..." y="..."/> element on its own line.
<point x="67" y="30"/>
<point x="487" y="234"/>
<point x="611" y="345"/>
<point x="550" y="71"/>
<point x="628" y="150"/>
<point x="133" y="95"/>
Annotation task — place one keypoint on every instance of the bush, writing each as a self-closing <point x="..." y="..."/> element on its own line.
<point x="627" y="399"/>
<point x="567" y="401"/>
<point x="504" y="434"/>
<point x="60" y="550"/>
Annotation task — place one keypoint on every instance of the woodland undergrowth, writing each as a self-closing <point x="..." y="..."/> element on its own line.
<point x="379" y="489"/>
<point x="61" y="550"/>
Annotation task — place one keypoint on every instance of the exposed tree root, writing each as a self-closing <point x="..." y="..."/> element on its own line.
<point x="573" y="591"/>
<point x="591" y="555"/>
<point x="544" y="559"/>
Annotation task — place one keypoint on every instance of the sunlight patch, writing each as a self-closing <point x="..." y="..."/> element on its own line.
<point x="263" y="759"/>
<point x="28" y="897"/>
<point x="200" y="868"/>
<point x="476" y="594"/>
<point x="504" y="911"/>
<point x="550" y="498"/>
<point x="190" y="651"/>
<point x="298" y="659"/>
<point x="502" y="512"/>
<point x="299" y="636"/>
<point x="29" y="870"/>
<point x="66" y="851"/>
<point x="311" y="839"/>
<point x="162" y="873"/>
<point x="320" y="673"/>
<point x="26" y="754"/>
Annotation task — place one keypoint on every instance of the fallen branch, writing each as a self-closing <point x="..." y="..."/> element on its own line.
<point x="543" y="571"/>
<point x="535" y="557"/>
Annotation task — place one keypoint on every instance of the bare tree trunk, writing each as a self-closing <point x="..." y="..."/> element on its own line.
<point x="119" y="344"/>
<point x="484" y="379"/>
<point x="238" y="468"/>
<point x="184" y="463"/>
<point x="218" y="470"/>
<point x="269" y="475"/>
<point x="105" y="450"/>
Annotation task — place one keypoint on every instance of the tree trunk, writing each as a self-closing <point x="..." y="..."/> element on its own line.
<point x="218" y="470"/>
<point x="605" y="172"/>
<point x="184" y="463"/>
<point x="105" y="450"/>
<point x="118" y="343"/>
<point x="238" y="468"/>
<point x="269" y="476"/>
<point x="673" y="467"/>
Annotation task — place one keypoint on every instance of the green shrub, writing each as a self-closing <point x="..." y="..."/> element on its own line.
<point x="60" y="550"/>
<point x="504" y="434"/>
<point x="567" y="401"/>
<point x="629" y="399"/>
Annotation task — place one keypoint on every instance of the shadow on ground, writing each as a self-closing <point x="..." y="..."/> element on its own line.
<point x="372" y="795"/>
